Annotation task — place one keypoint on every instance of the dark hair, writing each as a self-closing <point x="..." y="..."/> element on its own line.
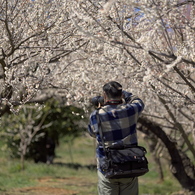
<point x="113" y="89"/>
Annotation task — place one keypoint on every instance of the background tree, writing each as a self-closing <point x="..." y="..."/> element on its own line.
<point x="27" y="133"/>
<point x="148" y="46"/>
<point x="20" y="131"/>
<point x="34" y="34"/>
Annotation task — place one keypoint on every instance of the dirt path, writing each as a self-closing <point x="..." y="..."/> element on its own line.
<point x="44" y="191"/>
<point x="53" y="186"/>
<point x="61" y="186"/>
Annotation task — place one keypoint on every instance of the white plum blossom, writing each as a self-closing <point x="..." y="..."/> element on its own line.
<point x="72" y="48"/>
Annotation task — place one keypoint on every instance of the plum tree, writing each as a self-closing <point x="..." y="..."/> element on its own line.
<point x="70" y="49"/>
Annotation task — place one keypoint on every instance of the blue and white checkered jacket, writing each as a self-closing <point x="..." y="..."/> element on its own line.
<point x="118" y="124"/>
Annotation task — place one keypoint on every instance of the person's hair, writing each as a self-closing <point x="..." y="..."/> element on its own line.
<point x="113" y="89"/>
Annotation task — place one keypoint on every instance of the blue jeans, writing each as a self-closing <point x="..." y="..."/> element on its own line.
<point x="123" y="186"/>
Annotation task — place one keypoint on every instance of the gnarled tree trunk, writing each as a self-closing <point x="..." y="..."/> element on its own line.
<point x="177" y="161"/>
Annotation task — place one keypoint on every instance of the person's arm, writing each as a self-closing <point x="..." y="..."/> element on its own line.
<point x="133" y="100"/>
<point x="127" y="96"/>
<point x="93" y="126"/>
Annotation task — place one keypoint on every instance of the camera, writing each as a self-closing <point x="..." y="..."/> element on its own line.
<point x="97" y="101"/>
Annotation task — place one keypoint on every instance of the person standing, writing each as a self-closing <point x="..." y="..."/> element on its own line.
<point x="118" y="115"/>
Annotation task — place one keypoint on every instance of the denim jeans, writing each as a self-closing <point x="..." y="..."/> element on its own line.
<point x="122" y="186"/>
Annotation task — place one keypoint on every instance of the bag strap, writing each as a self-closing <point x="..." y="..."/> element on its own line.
<point x="100" y="130"/>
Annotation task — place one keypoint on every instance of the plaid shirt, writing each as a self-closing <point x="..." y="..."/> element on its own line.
<point x="118" y="124"/>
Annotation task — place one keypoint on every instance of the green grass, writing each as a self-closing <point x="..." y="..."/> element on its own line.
<point x="72" y="173"/>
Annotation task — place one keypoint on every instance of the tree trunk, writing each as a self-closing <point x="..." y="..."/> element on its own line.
<point x="178" y="168"/>
<point x="22" y="161"/>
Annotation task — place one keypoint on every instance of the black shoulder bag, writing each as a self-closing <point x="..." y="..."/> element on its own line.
<point x="123" y="162"/>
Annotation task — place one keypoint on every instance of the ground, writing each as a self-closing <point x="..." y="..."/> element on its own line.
<point x="51" y="186"/>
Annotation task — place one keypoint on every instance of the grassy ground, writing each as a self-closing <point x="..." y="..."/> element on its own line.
<point x="70" y="174"/>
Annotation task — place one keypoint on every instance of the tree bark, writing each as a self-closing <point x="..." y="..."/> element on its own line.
<point x="178" y="168"/>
